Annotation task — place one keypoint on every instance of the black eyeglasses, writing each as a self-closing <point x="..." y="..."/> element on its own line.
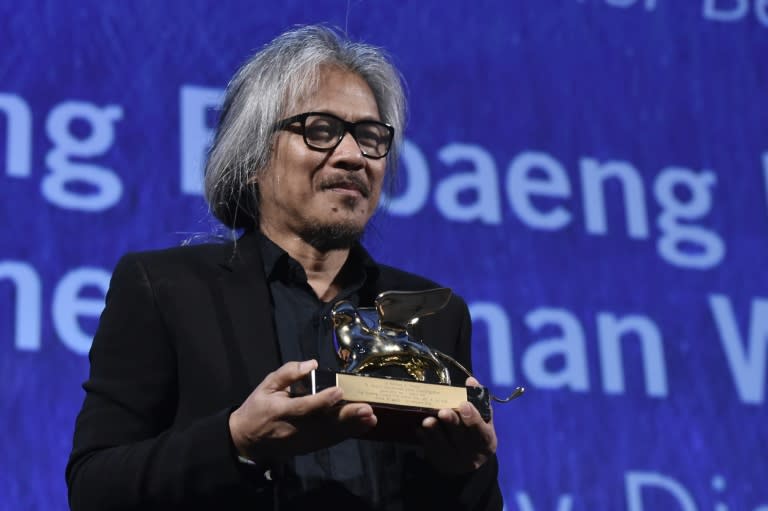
<point x="324" y="132"/>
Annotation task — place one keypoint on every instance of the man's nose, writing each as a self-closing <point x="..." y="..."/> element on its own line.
<point x="348" y="153"/>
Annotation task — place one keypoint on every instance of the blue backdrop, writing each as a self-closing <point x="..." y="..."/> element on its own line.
<point x="591" y="175"/>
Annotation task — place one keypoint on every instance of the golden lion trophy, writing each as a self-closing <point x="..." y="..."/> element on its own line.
<point x="384" y="363"/>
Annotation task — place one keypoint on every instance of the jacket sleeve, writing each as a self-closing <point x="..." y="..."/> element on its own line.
<point x="478" y="490"/>
<point x="126" y="453"/>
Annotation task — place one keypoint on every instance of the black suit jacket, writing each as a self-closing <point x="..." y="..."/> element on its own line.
<point x="185" y="336"/>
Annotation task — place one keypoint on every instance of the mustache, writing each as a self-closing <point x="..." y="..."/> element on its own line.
<point x="346" y="181"/>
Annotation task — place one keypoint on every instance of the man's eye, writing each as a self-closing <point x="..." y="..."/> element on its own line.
<point x="368" y="137"/>
<point x="320" y="130"/>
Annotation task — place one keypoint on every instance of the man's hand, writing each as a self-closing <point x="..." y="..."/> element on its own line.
<point x="458" y="442"/>
<point x="271" y="425"/>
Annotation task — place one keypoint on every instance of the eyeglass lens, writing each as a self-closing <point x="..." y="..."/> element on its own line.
<point x="325" y="132"/>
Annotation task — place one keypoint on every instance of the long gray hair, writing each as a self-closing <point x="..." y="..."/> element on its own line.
<point x="268" y="85"/>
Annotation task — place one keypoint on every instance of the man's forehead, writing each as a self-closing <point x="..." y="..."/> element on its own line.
<point x="322" y="82"/>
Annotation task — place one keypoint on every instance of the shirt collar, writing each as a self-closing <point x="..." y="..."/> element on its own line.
<point x="278" y="264"/>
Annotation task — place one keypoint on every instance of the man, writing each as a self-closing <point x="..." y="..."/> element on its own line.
<point x="187" y="403"/>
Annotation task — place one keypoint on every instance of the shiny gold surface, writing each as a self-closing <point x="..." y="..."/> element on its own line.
<point x="369" y="339"/>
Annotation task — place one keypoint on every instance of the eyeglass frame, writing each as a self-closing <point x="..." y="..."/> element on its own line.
<point x="349" y="127"/>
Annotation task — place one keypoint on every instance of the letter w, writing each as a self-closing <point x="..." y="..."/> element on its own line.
<point x="747" y="365"/>
<point x="564" y="502"/>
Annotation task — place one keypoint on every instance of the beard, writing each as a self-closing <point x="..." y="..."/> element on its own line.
<point x="327" y="237"/>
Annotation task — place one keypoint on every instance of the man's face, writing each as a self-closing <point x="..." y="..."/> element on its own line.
<point x="323" y="197"/>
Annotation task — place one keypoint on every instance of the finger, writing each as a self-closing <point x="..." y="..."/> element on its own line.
<point x="306" y="405"/>
<point x="469" y="415"/>
<point x="448" y="417"/>
<point x="288" y="373"/>
<point x="472" y="382"/>
<point x="437" y="447"/>
<point x="430" y="422"/>
<point x="466" y="430"/>
<point x="440" y="429"/>
<point x="474" y="424"/>
<point x="477" y="433"/>
<point x="457" y="441"/>
<point x="456" y="433"/>
<point x="355" y="411"/>
<point x="356" y="418"/>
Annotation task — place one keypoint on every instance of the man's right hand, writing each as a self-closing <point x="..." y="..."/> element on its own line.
<point x="271" y="425"/>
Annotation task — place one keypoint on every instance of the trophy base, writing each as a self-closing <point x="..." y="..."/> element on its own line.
<point x="399" y="404"/>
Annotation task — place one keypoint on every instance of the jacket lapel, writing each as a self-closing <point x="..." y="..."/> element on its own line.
<point x="247" y="315"/>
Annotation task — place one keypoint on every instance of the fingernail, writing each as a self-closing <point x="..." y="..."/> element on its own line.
<point x="466" y="410"/>
<point x="363" y="411"/>
<point x="307" y="366"/>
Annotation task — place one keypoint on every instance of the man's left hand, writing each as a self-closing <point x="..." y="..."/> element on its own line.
<point x="458" y="441"/>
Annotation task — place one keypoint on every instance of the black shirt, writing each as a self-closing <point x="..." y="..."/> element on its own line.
<point x="353" y="472"/>
<point x="302" y="320"/>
